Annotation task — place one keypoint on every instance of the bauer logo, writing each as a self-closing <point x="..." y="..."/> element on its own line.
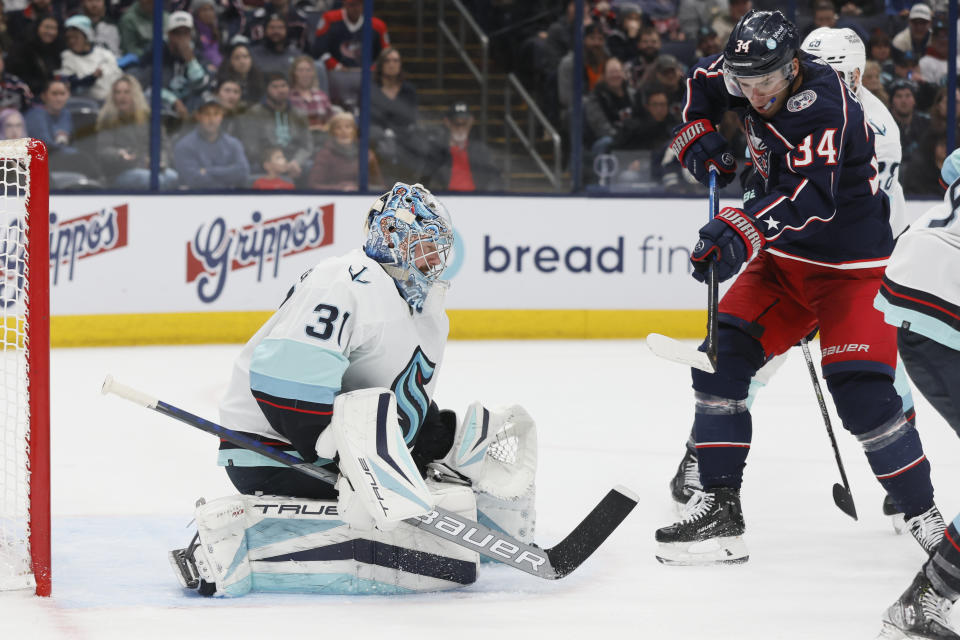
<point x="84" y="237"/>
<point x="217" y="250"/>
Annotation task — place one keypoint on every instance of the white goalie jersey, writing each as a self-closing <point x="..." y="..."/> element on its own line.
<point x="343" y="327"/>
<point x="889" y="157"/>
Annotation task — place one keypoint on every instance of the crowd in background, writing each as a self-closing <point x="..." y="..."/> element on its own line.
<point x="266" y="94"/>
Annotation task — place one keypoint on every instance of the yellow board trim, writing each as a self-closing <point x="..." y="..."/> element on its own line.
<point x="465" y="324"/>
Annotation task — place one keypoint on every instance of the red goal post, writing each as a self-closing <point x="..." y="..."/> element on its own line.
<point x="25" y="367"/>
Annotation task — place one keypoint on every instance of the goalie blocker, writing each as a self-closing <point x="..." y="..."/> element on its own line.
<point x="352" y="545"/>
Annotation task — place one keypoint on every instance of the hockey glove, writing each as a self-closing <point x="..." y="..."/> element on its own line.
<point x="731" y="239"/>
<point x="699" y="147"/>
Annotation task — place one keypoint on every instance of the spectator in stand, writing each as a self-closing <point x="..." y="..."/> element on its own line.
<point x="694" y="16"/>
<point x="723" y="24"/>
<point x="91" y="70"/>
<point x="105" y="33"/>
<point x="669" y="75"/>
<point x="873" y="80"/>
<point x="207" y="158"/>
<point x="707" y="43"/>
<point x="184" y="78"/>
<point x="273" y="54"/>
<point x="26" y="20"/>
<point x="123" y="139"/>
<point x="913" y="124"/>
<point x="880" y="50"/>
<point x="609" y="107"/>
<point x="273" y="123"/>
<point x="594" y="58"/>
<point x="238" y="66"/>
<point x="306" y="98"/>
<point x="933" y="64"/>
<point x="336" y="165"/>
<point x="136" y="29"/>
<point x="207" y="28"/>
<point x="36" y="57"/>
<point x="559" y="36"/>
<point x="14" y="92"/>
<point x="275" y="165"/>
<point x="230" y="96"/>
<point x="624" y="42"/>
<point x="825" y="15"/>
<point x="52" y="123"/>
<point x="339" y="41"/>
<point x="457" y="163"/>
<point x="394" y="128"/>
<point x="938" y="112"/>
<point x="922" y="176"/>
<point x="655" y="122"/>
<point x="639" y="70"/>
<point x="663" y="15"/>
<point x="917" y="34"/>
<point x="12" y="125"/>
<point x="294" y="20"/>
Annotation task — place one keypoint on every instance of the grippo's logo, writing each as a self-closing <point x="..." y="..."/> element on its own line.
<point x="217" y="250"/>
<point x="85" y="236"/>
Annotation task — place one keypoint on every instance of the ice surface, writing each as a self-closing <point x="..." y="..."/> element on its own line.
<point x="608" y="412"/>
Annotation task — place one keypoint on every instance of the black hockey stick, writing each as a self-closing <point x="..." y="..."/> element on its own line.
<point x="672" y="349"/>
<point x="842" y="495"/>
<point x="553" y="563"/>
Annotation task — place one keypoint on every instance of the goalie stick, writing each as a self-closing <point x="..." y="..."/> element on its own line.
<point x="842" y="496"/>
<point x="552" y="563"/>
<point x="671" y="348"/>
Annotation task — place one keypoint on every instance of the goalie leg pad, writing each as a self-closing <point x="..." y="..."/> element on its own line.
<point x="293" y="545"/>
<point x="375" y="460"/>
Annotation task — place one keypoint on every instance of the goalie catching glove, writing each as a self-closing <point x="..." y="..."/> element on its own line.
<point x="731" y="239"/>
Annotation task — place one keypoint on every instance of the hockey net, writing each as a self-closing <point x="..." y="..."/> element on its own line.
<point x="24" y="367"/>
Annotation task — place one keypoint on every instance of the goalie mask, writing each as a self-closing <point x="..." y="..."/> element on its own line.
<point x="410" y="234"/>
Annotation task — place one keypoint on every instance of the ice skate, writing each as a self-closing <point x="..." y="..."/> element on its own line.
<point x="896" y="516"/>
<point x="185" y="568"/>
<point x="710" y="531"/>
<point x="919" y="613"/>
<point x="927" y="528"/>
<point x="686" y="480"/>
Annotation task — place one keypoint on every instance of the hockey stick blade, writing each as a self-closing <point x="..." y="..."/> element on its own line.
<point x="552" y="563"/>
<point x="843" y="498"/>
<point x="676" y="351"/>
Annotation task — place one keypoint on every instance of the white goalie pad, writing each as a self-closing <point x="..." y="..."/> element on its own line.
<point x="374" y="458"/>
<point x="497" y="450"/>
<point x="293" y="545"/>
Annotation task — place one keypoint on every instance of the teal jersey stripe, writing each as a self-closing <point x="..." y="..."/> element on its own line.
<point x="274" y="530"/>
<point x="919" y="323"/>
<point x="329" y="583"/>
<point x="290" y="369"/>
<point x="244" y="458"/>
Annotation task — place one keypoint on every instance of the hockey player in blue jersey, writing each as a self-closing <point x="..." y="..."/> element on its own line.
<point x="815" y="231"/>
<point x="345" y="371"/>
<point x="920" y="295"/>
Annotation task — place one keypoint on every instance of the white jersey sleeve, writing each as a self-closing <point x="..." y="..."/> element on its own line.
<point x="343" y="327"/>
<point x="921" y="287"/>
<point x="889" y="157"/>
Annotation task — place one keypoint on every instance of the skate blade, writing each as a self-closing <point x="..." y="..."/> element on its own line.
<point x="727" y="550"/>
<point x="181" y="568"/>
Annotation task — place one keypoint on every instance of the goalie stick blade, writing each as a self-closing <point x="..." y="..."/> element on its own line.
<point x="844" y="500"/>
<point x="570" y="552"/>
<point x="676" y="351"/>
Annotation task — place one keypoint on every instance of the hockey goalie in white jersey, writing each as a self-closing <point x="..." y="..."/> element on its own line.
<point x="342" y="375"/>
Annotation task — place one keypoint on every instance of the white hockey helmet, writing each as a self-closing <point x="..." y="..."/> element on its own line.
<point x="842" y="49"/>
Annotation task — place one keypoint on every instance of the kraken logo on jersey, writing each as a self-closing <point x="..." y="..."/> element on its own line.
<point x="410" y="390"/>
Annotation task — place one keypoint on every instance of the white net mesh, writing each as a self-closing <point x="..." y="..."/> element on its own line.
<point x="15" y="564"/>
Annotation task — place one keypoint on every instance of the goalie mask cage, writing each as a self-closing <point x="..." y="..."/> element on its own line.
<point x="25" y="370"/>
